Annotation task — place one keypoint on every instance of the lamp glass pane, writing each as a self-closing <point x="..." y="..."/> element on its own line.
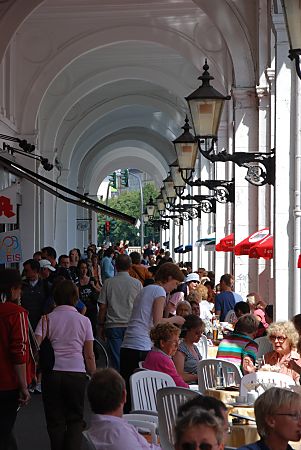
<point x="169" y="188"/>
<point x="160" y="204"/>
<point x="163" y="192"/>
<point x="177" y="177"/>
<point x="150" y="210"/>
<point x="145" y="218"/>
<point x="187" y="154"/>
<point x="206" y="115"/>
<point x="293" y="20"/>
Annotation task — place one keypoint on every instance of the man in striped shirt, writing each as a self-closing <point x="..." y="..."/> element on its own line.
<point x="239" y="347"/>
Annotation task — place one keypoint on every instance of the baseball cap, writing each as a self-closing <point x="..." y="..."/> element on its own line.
<point x="192" y="277"/>
<point x="44" y="263"/>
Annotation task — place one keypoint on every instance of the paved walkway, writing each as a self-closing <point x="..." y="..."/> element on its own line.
<point x="30" y="428"/>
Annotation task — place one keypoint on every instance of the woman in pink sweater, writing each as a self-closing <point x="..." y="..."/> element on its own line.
<point x="165" y="337"/>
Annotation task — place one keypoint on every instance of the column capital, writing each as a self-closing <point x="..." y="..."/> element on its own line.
<point x="244" y="97"/>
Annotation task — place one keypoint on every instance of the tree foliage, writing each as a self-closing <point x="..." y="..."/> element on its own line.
<point x="128" y="202"/>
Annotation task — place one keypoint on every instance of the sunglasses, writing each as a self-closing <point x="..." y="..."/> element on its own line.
<point x="202" y="446"/>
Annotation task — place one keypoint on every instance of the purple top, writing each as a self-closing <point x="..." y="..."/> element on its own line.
<point x="68" y="331"/>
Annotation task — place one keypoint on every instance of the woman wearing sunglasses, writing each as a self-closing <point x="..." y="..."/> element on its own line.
<point x="199" y="429"/>
<point x="284" y="357"/>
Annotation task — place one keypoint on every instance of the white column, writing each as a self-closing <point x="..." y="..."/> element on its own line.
<point x="264" y="192"/>
<point x="28" y="215"/>
<point x="283" y="227"/>
<point x="245" y="140"/>
<point x="223" y="211"/>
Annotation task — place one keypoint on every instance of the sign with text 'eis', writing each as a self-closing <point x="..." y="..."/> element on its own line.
<point x="10" y="247"/>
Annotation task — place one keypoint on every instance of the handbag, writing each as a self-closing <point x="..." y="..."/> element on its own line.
<point x="46" y="353"/>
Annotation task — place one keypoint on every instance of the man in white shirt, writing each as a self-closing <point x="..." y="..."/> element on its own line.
<point x="108" y="430"/>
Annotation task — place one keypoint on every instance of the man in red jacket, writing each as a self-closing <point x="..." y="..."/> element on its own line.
<point x="16" y="362"/>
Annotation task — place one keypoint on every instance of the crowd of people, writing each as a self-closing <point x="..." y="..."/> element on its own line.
<point x="149" y="312"/>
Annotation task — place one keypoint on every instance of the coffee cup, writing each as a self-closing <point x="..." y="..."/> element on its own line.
<point x="251" y="397"/>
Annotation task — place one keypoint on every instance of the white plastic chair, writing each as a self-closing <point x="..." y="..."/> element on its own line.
<point x="207" y="373"/>
<point x="169" y="399"/>
<point x="230" y="316"/>
<point x="264" y="346"/>
<point x="143" y="387"/>
<point x="281" y="380"/>
<point x="144" y="423"/>
<point x="202" y="346"/>
<point x="89" y="443"/>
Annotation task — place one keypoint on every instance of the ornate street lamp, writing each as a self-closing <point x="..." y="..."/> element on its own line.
<point x="145" y="217"/>
<point x="170" y="190"/>
<point x="150" y="208"/>
<point x="206" y="105"/>
<point x="186" y="148"/>
<point x="179" y="183"/>
<point x="160" y="204"/>
<point x="292" y="13"/>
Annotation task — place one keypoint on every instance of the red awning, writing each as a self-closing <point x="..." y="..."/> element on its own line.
<point x="226" y="244"/>
<point x="299" y="262"/>
<point x="263" y="249"/>
<point x="243" y="247"/>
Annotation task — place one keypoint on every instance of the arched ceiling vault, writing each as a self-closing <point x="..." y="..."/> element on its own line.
<point x="12" y="14"/>
<point x="129" y="154"/>
<point x="172" y="40"/>
<point x="116" y="77"/>
<point x="146" y="142"/>
<point x="164" y="91"/>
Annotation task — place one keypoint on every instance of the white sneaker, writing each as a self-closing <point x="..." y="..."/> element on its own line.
<point x="38" y="388"/>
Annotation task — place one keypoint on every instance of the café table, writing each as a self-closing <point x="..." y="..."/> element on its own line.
<point x="226" y="396"/>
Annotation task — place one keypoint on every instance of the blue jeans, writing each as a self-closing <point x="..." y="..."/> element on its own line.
<point x="114" y="340"/>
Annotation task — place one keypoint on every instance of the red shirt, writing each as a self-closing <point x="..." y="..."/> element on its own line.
<point x="14" y="345"/>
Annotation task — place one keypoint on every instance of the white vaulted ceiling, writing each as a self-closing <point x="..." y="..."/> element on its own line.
<point x="102" y="83"/>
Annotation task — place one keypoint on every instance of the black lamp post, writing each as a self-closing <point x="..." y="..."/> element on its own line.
<point x="206" y="105"/>
<point x="292" y="13"/>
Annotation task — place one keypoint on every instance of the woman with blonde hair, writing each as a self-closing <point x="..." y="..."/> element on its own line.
<point x="284" y="357"/>
<point x="278" y="420"/>
<point x="165" y="337"/>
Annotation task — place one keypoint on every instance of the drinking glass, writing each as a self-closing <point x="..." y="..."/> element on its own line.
<point x="230" y="378"/>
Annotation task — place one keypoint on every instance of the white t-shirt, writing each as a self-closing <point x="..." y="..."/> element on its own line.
<point x="141" y="321"/>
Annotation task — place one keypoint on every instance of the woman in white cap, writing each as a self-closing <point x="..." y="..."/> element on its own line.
<point x="190" y="284"/>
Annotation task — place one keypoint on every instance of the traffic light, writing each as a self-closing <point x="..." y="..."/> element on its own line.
<point x="125" y="177"/>
<point x="113" y="180"/>
<point x="107" y="227"/>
